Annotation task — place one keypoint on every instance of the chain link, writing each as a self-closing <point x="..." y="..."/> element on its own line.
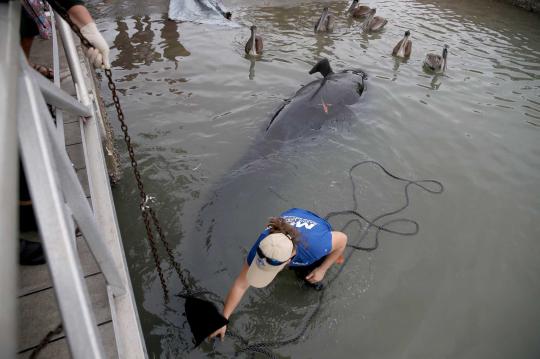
<point x="148" y="214"/>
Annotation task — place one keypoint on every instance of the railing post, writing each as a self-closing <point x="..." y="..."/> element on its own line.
<point x="75" y="65"/>
<point x="9" y="67"/>
<point x="56" y="70"/>
<point x="129" y="340"/>
<point x="66" y="273"/>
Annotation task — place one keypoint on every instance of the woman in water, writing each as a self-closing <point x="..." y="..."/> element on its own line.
<point x="299" y="240"/>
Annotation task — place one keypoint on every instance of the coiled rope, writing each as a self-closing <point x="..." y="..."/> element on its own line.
<point x="265" y="347"/>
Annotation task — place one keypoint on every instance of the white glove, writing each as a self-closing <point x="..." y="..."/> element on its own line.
<point x="99" y="54"/>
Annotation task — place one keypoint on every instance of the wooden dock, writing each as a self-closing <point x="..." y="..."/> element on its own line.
<point x="38" y="309"/>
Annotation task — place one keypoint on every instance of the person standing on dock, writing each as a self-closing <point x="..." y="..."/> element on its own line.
<point x="298" y="239"/>
<point x="34" y="22"/>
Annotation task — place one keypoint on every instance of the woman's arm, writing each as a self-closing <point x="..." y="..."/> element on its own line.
<point x="76" y="10"/>
<point x="234" y="297"/>
<point x="80" y="15"/>
<point x="237" y="292"/>
<point x="339" y="243"/>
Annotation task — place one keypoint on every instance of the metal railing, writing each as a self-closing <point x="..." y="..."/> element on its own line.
<point x="127" y="329"/>
<point x="58" y="198"/>
<point x="9" y="50"/>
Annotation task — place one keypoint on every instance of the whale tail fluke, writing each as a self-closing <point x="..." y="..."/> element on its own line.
<point x="323" y="66"/>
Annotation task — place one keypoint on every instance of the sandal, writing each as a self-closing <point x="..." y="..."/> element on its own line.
<point x="44" y="70"/>
<point x="31" y="253"/>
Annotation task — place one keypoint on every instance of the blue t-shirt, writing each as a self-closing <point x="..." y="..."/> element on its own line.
<point x="315" y="239"/>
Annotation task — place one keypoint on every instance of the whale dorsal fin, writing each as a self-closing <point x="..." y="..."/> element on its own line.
<point x="323" y="66"/>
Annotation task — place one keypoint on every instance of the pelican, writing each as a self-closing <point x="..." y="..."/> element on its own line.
<point x="254" y="46"/>
<point x="325" y="22"/>
<point x="436" y="62"/>
<point x="404" y="46"/>
<point x="374" y="23"/>
<point x="356" y="10"/>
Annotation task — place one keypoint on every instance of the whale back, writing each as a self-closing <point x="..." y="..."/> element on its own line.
<point x="317" y="102"/>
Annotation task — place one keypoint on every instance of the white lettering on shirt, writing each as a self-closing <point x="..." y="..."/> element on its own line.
<point x="300" y="222"/>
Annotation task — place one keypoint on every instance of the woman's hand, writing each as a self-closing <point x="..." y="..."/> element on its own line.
<point x="221" y="332"/>
<point x="316" y="275"/>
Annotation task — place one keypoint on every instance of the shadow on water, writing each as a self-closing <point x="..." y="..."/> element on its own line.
<point x="136" y="45"/>
<point x="252" y="63"/>
<point x="323" y="45"/>
<point x="137" y="49"/>
<point x="436" y="81"/>
<point x="397" y="63"/>
<point x="170" y="41"/>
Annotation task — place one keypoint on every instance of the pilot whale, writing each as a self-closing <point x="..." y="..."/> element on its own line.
<point x="267" y="167"/>
<point x="329" y="100"/>
<point x="322" y="100"/>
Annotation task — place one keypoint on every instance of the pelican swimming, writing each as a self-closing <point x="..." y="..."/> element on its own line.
<point x="374" y="23"/>
<point x="404" y="46"/>
<point x="356" y="10"/>
<point x="254" y="46"/>
<point x="325" y="22"/>
<point x="436" y="62"/>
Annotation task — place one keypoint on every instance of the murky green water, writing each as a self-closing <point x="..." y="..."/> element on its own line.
<point x="467" y="286"/>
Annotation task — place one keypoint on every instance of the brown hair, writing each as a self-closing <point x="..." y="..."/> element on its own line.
<point x="279" y="225"/>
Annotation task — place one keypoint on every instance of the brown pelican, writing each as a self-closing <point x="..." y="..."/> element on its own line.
<point x="374" y="23"/>
<point x="404" y="46"/>
<point x="325" y="22"/>
<point x="254" y="46"/>
<point x="436" y="62"/>
<point x="356" y="10"/>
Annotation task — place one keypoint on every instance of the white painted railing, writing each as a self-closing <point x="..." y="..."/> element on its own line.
<point x="9" y="63"/>
<point x="58" y="198"/>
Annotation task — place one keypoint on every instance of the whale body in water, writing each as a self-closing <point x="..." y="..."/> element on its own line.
<point x="327" y="99"/>
<point x="331" y="98"/>
<point x="263" y="172"/>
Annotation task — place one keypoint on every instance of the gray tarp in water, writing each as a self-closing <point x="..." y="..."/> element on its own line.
<point x="200" y="11"/>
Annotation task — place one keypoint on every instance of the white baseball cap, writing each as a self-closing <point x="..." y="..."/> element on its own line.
<point x="273" y="253"/>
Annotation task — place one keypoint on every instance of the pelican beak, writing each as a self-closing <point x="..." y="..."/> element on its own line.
<point x="352" y="7"/>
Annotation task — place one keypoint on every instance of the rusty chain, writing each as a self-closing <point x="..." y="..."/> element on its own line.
<point x="148" y="214"/>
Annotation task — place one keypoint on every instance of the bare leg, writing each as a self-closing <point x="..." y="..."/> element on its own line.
<point x="26" y="44"/>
